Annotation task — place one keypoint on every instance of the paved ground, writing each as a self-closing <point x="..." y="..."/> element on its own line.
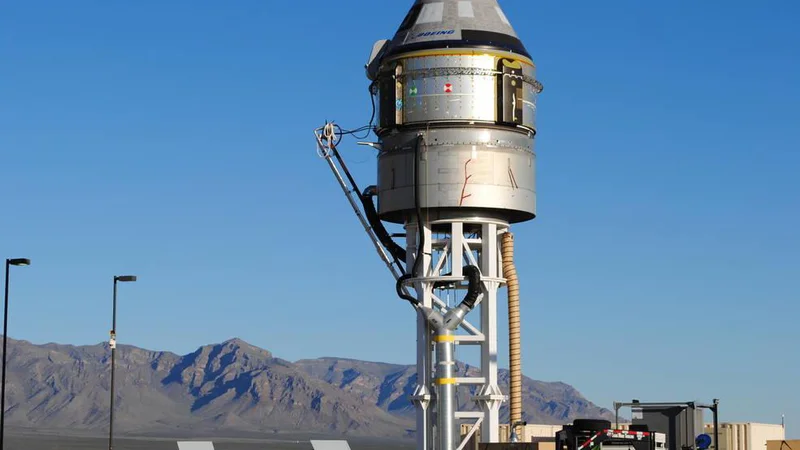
<point x="30" y="441"/>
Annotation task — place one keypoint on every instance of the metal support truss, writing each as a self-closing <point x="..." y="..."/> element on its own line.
<point x="326" y="148"/>
<point x="447" y="249"/>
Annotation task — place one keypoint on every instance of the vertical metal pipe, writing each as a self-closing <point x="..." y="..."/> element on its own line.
<point x="417" y="245"/>
<point x="445" y="389"/>
<point x="5" y="360"/>
<point x="716" y="424"/>
<point x="113" y="358"/>
<point x="423" y="410"/>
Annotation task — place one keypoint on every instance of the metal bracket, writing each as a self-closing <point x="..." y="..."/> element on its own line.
<point x="421" y="396"/>
<point x="491" y="395"/>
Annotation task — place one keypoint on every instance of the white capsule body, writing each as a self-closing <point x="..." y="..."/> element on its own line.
<point x="456" y="116"/>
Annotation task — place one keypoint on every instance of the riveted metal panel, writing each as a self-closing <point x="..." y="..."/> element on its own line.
<point x="469" y="169"/>
<point x="472" y="95"/>
<point x="460" y="86"/>
<point x="450" y="87"/>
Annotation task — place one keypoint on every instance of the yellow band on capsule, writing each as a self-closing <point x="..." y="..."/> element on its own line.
<point x="442" y="381"/>
<point x="449" y="338"/>
<point x="464" y="52"/>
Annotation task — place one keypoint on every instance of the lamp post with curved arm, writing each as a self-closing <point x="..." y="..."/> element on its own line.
<point x="113" y="344"/>
<point x="9" y="263"/>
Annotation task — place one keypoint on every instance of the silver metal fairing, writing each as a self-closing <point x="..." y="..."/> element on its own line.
<point x="442" y="88"/>
<point x="461" y="87"/>
<point x="479" y="169"/>
<point x="476" y="112"/>
<point x="466" y="86"/>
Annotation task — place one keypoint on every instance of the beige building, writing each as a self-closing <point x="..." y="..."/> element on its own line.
<point x="747" y="436"/>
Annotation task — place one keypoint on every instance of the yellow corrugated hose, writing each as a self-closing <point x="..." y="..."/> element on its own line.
<point x="514" y="339"/>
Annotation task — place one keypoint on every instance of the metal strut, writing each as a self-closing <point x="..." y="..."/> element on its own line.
<point x="326" y="143"/>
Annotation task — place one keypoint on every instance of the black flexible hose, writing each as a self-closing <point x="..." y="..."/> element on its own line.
<point x="398" y="252"/>
<point x="401" y="294"/>
<point x="372" y="216"/>
<point x="474" y="277"/>
<point x="421" y="238"/>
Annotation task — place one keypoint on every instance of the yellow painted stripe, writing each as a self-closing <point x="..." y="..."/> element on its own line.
<point x="449" y="338"/>
<point x="464" y="52"/>
<point x="441" y="381"/>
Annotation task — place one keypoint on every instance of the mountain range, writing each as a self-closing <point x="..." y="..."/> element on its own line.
<point x="235" y="388"/>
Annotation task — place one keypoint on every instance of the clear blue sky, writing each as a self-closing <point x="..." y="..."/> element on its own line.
<point x="173" y="140"/>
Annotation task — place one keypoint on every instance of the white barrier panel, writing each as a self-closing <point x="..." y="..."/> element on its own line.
<point x="186" y="445"/>
<point x="330" y="445"/>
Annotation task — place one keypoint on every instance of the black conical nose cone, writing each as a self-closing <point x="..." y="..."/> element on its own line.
<point x="432" y="24"/>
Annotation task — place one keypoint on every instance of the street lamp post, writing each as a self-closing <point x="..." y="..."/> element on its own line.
<point x="9" y="263"/>
<point x="113" y="344"/>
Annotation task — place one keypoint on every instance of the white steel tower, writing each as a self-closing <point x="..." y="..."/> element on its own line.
<point x="456" y="99"/>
